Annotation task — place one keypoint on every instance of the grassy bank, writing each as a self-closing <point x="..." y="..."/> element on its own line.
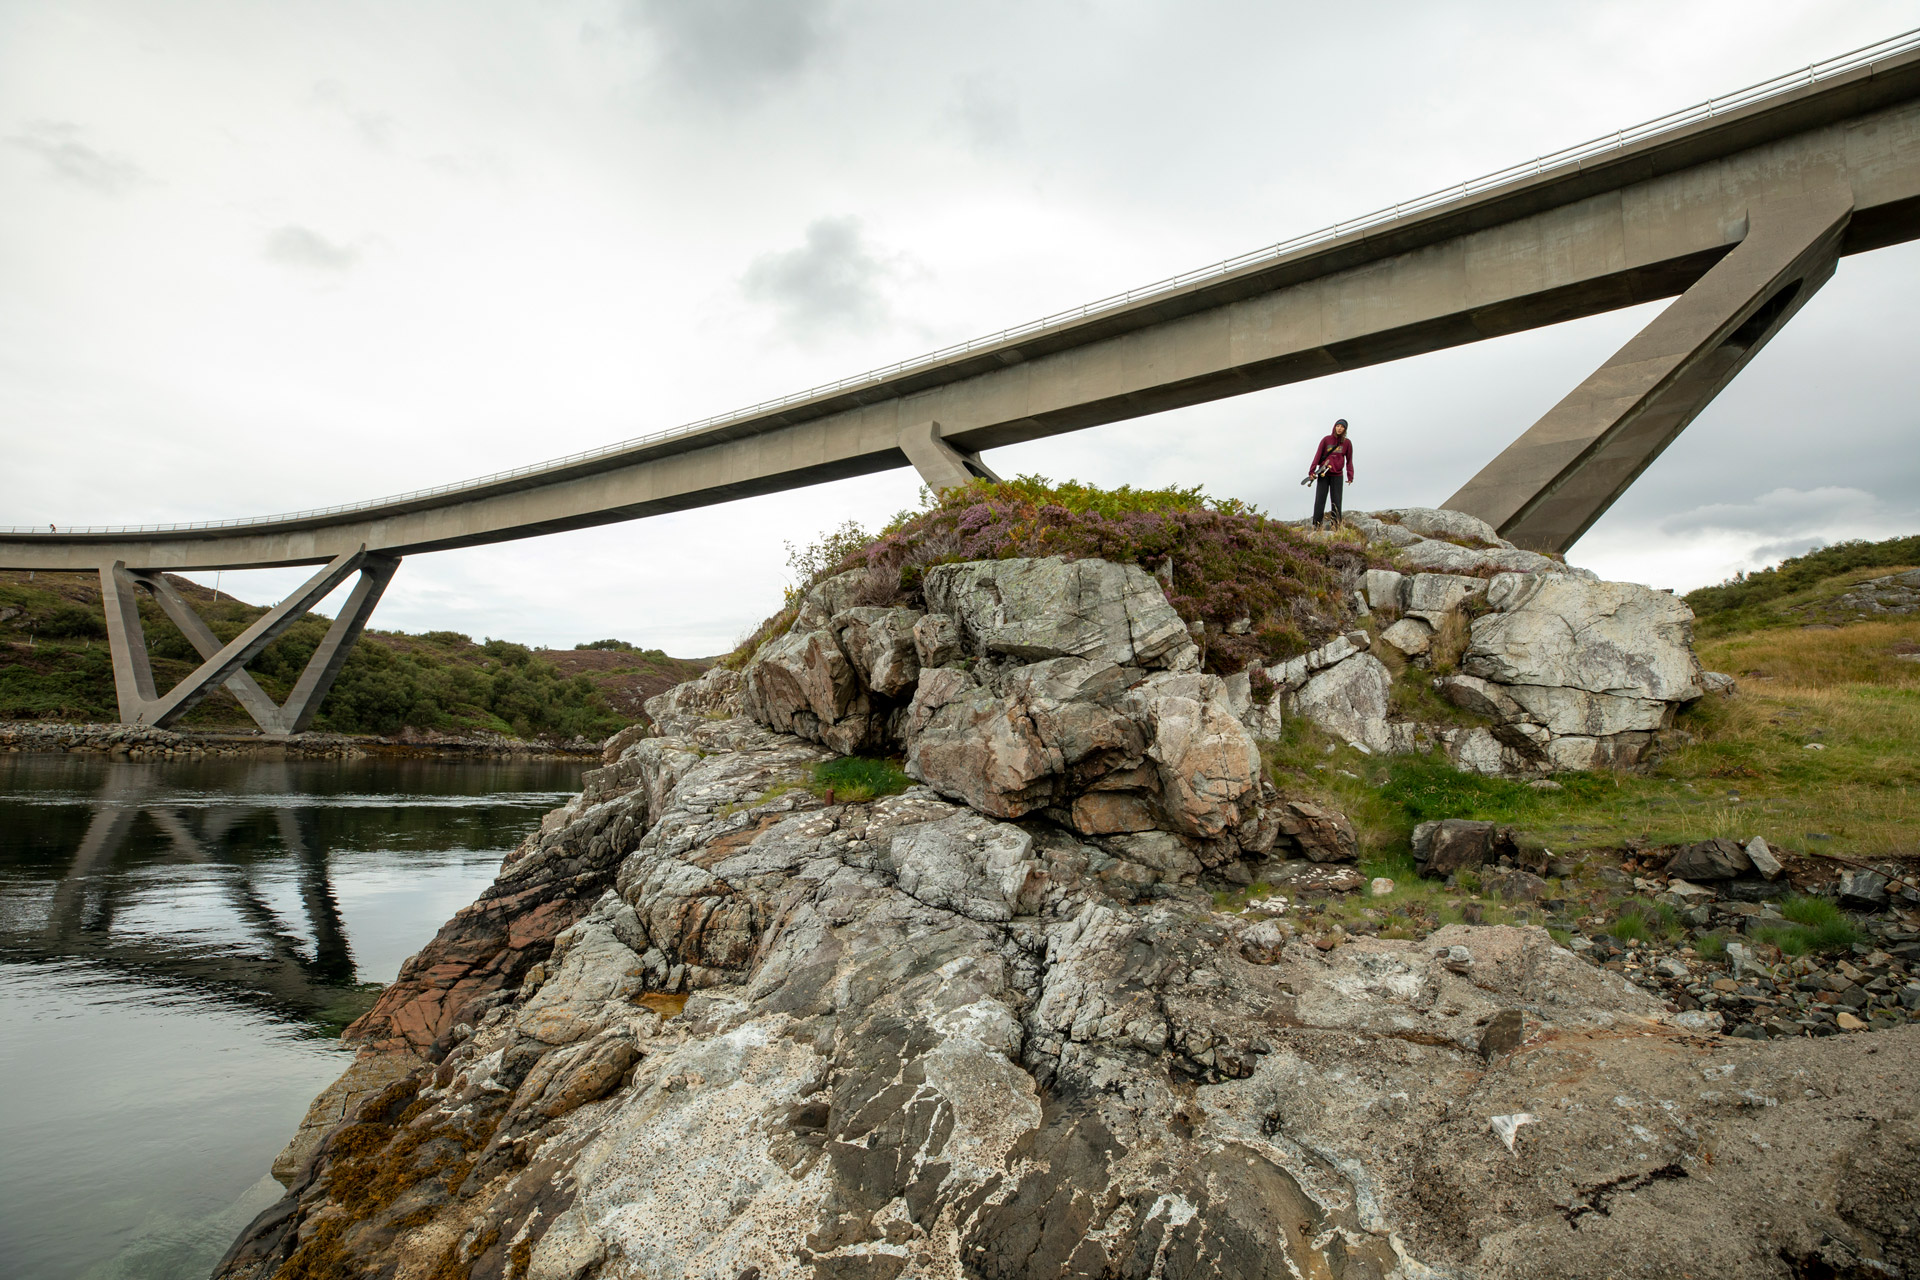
<point x="55" y="665"/>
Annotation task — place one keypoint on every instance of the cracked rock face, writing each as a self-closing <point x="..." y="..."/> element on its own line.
<point x="909" y="1039"/>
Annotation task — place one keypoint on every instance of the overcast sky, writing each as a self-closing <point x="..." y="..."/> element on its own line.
<point x="260" y="257"/>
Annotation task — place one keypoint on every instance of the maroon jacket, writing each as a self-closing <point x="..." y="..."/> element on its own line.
<point x="1334" y="449"/>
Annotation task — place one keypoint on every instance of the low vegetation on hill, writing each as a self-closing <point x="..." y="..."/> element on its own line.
<point x="1257" y="584"/>
<point x="55" y="665"/>
<point x="1798" y="590"/>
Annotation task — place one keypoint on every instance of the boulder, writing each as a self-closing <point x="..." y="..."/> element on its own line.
<point x="1616" y="638"/>
<point x="1384" y="589"/>
<point x="880" y="645"/>
<point x="1761" y="856"/>
<point x="1206" y="761"/>
<point x="1439" y="522"/>
<point x="610" y="749"/>
<point x="1717" y="859"/>
<point x="1863" y="889"/>
<point x="1457" y="844"/>
<point x="1320" y="834"/>
<point x="1432" y="596"/>
<point x="1349" y="700"/>
<point x="1053" y="608"/>
<point x="1719" y="682"/>
<point x="1409" y="637"/>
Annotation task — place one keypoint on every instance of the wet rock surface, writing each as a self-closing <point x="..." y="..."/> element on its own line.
<point x="762" y="1035"/>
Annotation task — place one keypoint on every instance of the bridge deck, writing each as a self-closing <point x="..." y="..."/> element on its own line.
<point x="1602" y="226"/>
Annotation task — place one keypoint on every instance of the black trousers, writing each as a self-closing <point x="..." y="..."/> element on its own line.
<point x="1327" y="486"/>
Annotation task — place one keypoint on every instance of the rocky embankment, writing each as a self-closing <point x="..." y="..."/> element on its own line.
<point x="712" y="1021"/>
<point x="138" y="742"/>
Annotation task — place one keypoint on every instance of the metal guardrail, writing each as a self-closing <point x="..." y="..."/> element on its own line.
<point x="1606" y="144"/>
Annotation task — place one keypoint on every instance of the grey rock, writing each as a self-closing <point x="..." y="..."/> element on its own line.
<point x="1384" y="588"/>
<point x="1719" y="682"/>
<point x="1052" y="608"/>
<point x="1432" y="596"/>
<point x="714" y="696"/>
<point x="1439" y="522"/>
<point x="1717" y="859"/>
<point x="1456" y="844"/>
<point x="1410" y="637"/>
<point x="880" y="645"/>
<point x="1762" y="858"/>
<point x="1319" y="833"/>
<point x="1479" y="697"/>
<point x="1863" y="889"/>
<point x="937" y="641"/>
<point x="1349" y="700"/>
<point x="1614" y="638"/>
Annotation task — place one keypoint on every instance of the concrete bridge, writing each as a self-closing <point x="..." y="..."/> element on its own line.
<point x="1740" y="206"/>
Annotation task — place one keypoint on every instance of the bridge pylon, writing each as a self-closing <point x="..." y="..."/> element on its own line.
<point x="226" y="664"/>
<point x="1547" y="488"/>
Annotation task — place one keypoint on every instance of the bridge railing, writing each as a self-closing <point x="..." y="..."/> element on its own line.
<point x="1594" y="148"/>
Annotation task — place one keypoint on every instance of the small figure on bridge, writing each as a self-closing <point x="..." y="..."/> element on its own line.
<point x="1335" y="451"/>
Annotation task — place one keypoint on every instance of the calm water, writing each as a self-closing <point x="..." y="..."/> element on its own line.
<point x="179" y="947"/>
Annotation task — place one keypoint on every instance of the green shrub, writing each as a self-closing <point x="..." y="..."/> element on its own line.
<point x="1710" y="946"/>
<point x="1630" y="927"/>
<point x="855" y="779"/>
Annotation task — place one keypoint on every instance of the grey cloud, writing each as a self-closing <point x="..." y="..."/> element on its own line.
<point x="987" y="110"/>
<point x="1783" y="512"/>
<point x="68" y="158"/>
<point x="832" y="281"/>
<point x="374" y="127"/>
<point x="733" y="48"/>
<point x="296" y="246"/>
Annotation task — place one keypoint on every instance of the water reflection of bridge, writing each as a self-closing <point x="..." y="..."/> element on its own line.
<point x="280" y="968"/>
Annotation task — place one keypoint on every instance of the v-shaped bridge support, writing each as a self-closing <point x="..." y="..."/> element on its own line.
<point x="225" y="664"/>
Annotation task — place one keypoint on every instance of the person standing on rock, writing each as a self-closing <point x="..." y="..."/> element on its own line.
<point x="1335" y="452"/>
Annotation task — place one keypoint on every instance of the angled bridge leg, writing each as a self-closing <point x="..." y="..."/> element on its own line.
<point x="1548" y="487"/>
<point x="224" y="664"/>
<point x="941" y="465"/>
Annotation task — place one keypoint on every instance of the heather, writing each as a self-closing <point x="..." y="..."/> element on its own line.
<point x="1264" y="590"/>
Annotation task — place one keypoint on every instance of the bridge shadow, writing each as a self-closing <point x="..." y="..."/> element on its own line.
<point x="120" y="901"/>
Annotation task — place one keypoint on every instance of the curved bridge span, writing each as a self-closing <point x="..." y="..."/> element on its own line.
<point x="1740" y="206"/>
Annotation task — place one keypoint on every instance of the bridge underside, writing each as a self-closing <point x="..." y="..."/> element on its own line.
<point x="1741" y="217"/>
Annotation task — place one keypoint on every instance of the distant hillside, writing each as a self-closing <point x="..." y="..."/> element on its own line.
<point x="54" y="665"/>
<point x="1830" y="585"/>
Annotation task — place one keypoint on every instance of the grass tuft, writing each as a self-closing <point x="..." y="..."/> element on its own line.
<point x="857" y="779"/>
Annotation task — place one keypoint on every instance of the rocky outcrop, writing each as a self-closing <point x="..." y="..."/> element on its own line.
<point x="1568" y="672"/>
<point x="780" y="1038"/>
<point x="714" y="696"/>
